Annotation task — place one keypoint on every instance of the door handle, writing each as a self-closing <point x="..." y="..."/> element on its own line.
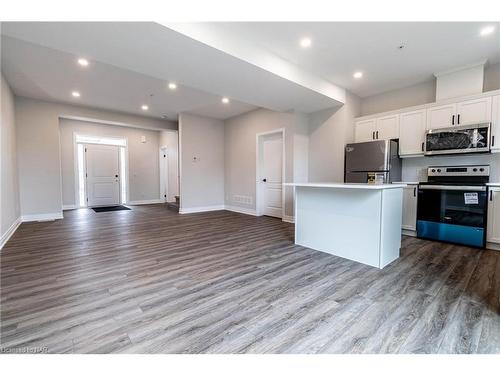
<point x="264" y="180"/>
<point x="458" y="119"/>
<point x="414" y="191"/>
<point x="453" y="120"/>
<point x="492" y="141"/>
<point x="373" y="135"/>
<point x="491" y="195"/>
<point x="377" y="134"/>
<point x="422" y="146"/>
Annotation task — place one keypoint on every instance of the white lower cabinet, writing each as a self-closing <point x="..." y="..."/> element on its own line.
<point x="493" y="230"/>
<point x="410" y="197"/>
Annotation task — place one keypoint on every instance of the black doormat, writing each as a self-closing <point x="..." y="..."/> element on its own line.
<point x="110" y="208"/>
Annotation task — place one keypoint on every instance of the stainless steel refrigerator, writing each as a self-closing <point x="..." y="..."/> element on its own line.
<point x="375" y="160"/>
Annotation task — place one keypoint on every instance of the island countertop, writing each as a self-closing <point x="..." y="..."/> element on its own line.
<point x="346" y="185"/>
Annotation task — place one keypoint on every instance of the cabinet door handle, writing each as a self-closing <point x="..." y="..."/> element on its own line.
<point x="377" y="134"/>
<point x="414" y="191"/>
<point x="491" y="195"/>
<point x="453" y="120"/>
<point x="422" y="146"/>
<point x="492" y="141"/>
<point x="458" y="119"/>
<point x="373" y="135"/>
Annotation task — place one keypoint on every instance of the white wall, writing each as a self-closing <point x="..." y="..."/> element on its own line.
<point x="201" y="153"/>
<point x="143" y="158"/>
<point x="329" y="131"/>
<point x="415" y="169"/>
<point x="39" y="161"/>
<point x="170" y="140"/>
<point x="240" y="147"/>
<point x="9" y="187"/>
<point x="421" y="93"/>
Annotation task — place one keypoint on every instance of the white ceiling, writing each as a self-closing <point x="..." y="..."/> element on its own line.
<point x="341" y="48"/>
<point x="255" y="64"/>
<point x="44" y="73"/>
<point x="158" y="52"/>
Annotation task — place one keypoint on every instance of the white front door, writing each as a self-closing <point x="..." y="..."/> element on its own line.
<point x="103" y="171"/>
<point x="271" y="171"/>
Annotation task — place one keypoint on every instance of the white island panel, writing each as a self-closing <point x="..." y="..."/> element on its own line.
<point x="360" y="224"/>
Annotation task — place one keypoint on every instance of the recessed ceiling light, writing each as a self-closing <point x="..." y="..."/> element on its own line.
<point x="144" y="107"/>
<point x="358" y="75"/>
<point x="487" y="30"/>
<point x="83" y="62"/>
<point x="172" y="86"/>
<point x="225" y="100"/>
<point x="305" y="42"/>
<point x="75" y="94"/>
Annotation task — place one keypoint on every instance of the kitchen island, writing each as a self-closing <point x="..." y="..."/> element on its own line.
<point x="360" y="222"/>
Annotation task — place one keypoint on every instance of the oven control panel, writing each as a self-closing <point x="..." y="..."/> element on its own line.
<point x="465" y="170"/>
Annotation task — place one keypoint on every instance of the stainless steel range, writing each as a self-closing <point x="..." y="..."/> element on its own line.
<point x="452" y="205"/>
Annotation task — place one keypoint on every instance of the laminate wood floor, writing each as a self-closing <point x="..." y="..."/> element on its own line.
<point x="153" y="281"/>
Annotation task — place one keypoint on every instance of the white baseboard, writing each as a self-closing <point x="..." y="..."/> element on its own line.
<point x="69" y="207"/>
<point x="241" y="210"/>
<point x="6" y="236"/>
<point x="147" y="201"/>
<point x="42" y="217"/>
<point x="493" y="246"/>
<point x="288" y="219"/>
<point x="408" y="232"/>
<point x="192" y="210"/>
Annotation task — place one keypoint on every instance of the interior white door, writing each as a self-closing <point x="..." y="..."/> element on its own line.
<point x="271" y="172"/>
<point x="474" y="111"/>
<point x="103" y="171"/>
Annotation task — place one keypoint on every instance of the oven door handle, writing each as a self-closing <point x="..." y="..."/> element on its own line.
<point x="452" y="187"/>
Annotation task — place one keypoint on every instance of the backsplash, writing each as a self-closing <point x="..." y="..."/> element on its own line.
<point x="415" y="169"/>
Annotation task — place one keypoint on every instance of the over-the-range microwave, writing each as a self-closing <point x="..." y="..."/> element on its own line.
<point x="458" y="139"/>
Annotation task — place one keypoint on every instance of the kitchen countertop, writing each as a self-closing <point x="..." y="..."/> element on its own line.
<point x="347" y="186"/>
<point x="494" y="184"/>
<point x="406" y="182"/>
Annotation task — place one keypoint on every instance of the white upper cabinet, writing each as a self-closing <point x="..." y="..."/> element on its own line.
<point x="493" y="231"/>
<point x="364" y="130"/>
<point x="412" y="132"/>
<point x="442" y="116"/>
<point x="387" y="127"/>
<point x="473" y="111"/>
<point x="495" y="125"/>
